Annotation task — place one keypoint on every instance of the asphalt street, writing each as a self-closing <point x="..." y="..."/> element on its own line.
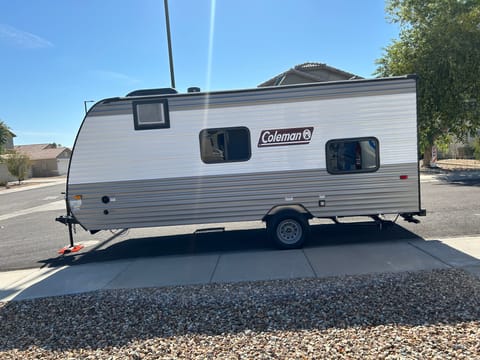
<point x="453" y="209"/>
<point x="30" y="237"/>
<point x="23" y="200"/>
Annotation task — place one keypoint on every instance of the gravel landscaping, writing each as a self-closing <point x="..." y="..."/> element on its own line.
<point x="420" y="315"/>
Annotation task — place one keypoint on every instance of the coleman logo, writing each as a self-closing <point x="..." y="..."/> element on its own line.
<point x="278" y="137"/>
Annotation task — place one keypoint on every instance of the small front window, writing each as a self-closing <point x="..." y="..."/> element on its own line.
<point x="225" y="145"/>
<point x="151" y="114"/>
<point x="346" y="156"/>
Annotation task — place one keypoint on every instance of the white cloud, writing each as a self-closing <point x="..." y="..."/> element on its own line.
<point x="113" y="75"/>
<point x="22" y="39"/>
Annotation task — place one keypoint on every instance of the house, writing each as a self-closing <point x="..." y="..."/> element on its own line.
<point x="309" y="72"/>
<point x="47" y="159"/>
<point x="8" y="139"/>
<point x="9" y="143"/>
<point x="461" y="149"/>
<point x="5" y="175"/>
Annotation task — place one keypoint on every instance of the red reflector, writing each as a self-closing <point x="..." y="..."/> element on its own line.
<point x="403" y="177"/>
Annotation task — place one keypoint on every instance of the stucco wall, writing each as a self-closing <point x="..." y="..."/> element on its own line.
<point x="5" y="175"/>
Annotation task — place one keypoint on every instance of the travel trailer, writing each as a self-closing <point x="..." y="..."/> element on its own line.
<point x="281" y="154"/>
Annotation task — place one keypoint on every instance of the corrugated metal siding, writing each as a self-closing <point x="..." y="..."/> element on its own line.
<point x="157" y="176"/>
<point x="109" y="149"/>
<point x="283" y="94"/>
<point x="245" y="197"/>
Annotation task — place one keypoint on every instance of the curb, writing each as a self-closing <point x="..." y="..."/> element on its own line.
<point x="32" y="185"/>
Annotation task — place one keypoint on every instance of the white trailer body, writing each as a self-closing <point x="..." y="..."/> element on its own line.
<point x="323" y="150"/>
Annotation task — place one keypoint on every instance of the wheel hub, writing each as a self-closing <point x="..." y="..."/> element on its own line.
<point x="289" y="231"/>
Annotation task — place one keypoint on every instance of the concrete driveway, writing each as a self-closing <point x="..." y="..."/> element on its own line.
<point x="323" y="261"/>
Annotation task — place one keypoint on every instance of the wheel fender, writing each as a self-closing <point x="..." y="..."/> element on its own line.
<point x="298" y="209"/>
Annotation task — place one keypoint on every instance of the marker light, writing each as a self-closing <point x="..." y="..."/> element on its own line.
<point x="75" y="202"/>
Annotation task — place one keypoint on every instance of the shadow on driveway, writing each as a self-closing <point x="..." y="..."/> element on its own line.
<point x="227" y="242"/>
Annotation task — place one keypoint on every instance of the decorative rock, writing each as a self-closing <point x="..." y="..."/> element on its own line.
<point x="429" y="314"/>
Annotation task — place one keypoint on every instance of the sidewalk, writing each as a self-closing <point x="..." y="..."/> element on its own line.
<point x="315" y="262"/>
<point x="32" y="183"/>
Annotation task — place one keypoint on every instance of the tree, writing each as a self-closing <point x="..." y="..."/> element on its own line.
<point x="4" y="136"/>
<point x="18" y="164"/>
<point x="440" y="42"/>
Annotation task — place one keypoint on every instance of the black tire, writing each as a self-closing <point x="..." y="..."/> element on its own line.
<point x="288" y="229"/>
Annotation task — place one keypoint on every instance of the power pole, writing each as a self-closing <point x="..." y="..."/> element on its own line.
<point x="169" y="40"/>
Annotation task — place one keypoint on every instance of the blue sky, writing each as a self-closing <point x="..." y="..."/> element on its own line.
<point x="55" y="54"/>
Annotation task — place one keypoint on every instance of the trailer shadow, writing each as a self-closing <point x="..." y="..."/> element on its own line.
<point x="232" y="241"/>
<point x="464" y="182"/>
<point x="460" y="178"/>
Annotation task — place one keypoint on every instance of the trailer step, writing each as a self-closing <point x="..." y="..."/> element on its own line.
<point x="209" y="230"/>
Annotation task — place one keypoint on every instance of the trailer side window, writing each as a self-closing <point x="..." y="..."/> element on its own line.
<point x="345" y="156"/>
<point x="151" y="114"/>
<point x="225" y="145"/>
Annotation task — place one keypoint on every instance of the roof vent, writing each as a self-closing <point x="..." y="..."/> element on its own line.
<point x="146" y="92"/>
<point x="193" y="89"/>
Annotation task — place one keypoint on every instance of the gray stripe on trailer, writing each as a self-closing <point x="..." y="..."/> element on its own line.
<point x="119" y="106"/>
<point x="229" y="198"/>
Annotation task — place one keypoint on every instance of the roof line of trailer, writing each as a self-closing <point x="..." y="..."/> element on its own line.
<point x="143" y="92"/>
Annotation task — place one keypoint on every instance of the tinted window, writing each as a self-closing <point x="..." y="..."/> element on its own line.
<point x="352" y="155"/>
<point x="225" y="145"/>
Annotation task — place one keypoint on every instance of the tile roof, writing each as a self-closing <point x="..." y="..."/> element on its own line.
<point x="316" y="66"/>
<point x="41" y="151"/>
<point x="306" y="69"/>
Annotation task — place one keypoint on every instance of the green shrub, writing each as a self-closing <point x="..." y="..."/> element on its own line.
<point x="476" y="148"/>
<point x="18" y="165"/>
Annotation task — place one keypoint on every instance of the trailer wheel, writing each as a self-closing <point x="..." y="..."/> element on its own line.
<point x="288" y="229"/>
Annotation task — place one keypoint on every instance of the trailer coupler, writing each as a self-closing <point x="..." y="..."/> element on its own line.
<point x="66" y="219"/>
